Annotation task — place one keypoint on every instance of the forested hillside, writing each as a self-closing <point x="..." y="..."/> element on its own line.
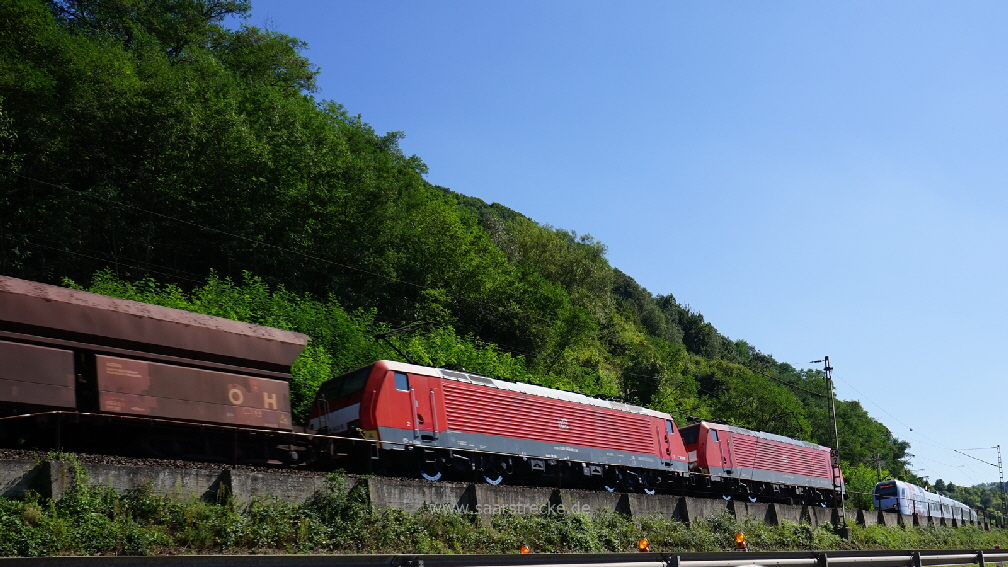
<point x="148" y="152"/>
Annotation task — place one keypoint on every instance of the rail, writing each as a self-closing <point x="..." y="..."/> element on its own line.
<point x="923" y="558"/>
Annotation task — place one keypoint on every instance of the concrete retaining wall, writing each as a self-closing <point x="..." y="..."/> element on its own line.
<point x="792" y="514"/>
<point x="696" y="508"/>
<point x="759" y="511"/>
<point x="410" y="496"/>
<point x="643" y="505"/>
<point x="18" y="476"/>
<point x="817" y="515"/>
<point x="54" y="478"/>
<point x="887" y="519"/>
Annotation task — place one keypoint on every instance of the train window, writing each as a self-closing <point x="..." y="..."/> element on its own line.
<point x="354" y="381"/>
<point x="401" y="382"/>
<point x="713" y="435"/>
<point x="689" y="434"/>
<point x="668" y="426"/>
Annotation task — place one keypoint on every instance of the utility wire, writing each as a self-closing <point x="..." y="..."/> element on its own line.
<point x="974" y="458"/>
<point x="901" y="422"/>
<point x="330" y="261"/>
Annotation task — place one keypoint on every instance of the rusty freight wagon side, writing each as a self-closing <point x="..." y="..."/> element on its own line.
<point x="68" y="355"/>
<point x="139" y="387"/>
<point x="36" y="376"/>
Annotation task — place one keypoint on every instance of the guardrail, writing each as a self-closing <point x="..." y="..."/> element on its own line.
<point x="921" y="558"/>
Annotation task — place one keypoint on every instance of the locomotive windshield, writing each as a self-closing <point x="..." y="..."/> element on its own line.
<point x="345" y="385"/>
<point x="886" y="491"/>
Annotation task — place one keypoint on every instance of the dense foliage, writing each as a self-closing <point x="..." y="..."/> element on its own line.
<point x="144" y="141"/>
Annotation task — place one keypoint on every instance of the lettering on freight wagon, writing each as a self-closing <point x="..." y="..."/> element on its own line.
<point x="236" y="397"/>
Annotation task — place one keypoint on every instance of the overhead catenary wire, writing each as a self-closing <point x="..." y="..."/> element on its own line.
<point x="932" y="442"/>
<point x="311" y="256"/>
<point x="316" y="257"/>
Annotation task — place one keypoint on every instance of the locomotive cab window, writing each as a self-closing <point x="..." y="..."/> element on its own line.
<point x="669" y="428"/>
<point x="354" y="381"/>
<point x="345" y="385"/>
<point x="713" y="435"/>
<point x="401" y="382"/>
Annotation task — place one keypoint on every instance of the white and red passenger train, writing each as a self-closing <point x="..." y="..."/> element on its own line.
<point x="82" y="371"/>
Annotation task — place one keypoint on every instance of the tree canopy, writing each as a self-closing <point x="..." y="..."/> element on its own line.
<point x="148" y="151"/>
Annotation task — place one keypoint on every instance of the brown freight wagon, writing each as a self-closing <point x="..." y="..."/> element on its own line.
<point x="67" y="354"/>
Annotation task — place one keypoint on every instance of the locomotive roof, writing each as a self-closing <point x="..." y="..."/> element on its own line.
<point x="70" y="314"/>
<point x="760" y="435"/>
<point x="530" y="389"/>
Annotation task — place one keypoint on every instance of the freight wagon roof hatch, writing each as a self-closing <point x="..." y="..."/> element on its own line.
<point x="69" y="313"/>
<point x="523" y="388"/>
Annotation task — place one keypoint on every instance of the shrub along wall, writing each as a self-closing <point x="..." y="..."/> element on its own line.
<point x="97" y="520"/>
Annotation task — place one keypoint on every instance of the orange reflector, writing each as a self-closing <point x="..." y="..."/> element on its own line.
<point x="643" y="545"/>
<point x="524" y="550"/>
<point x="740" y="541"/>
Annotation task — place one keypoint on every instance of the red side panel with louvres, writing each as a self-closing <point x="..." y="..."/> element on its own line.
<point x="473" y="408"/>
<point x="770" y="455"/>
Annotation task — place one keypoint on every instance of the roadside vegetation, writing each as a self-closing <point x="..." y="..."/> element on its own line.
<point x="90" y="520"/>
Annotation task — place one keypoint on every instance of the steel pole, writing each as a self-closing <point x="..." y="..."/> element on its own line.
<point x="1001" y="486"/>
<point x="837" y="481"/>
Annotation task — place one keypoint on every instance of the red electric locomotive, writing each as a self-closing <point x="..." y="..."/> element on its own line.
<point x="740" y="462"/>
<point x="439" y="422"/>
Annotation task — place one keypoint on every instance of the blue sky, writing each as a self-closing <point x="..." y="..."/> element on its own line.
<point x="815" y="178"/>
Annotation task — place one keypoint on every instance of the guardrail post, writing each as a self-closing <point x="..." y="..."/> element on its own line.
<point x="916" y="559"/>
<point x="980" y="558"/>
<point x="676" y="561"/>
<point x="821" y="560"/>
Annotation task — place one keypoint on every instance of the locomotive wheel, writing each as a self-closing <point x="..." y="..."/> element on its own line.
<point x="496" y="469"/>
<point x="431" y="465"/>
<point x="649" y="482"/>
<point x="429" y="471"/>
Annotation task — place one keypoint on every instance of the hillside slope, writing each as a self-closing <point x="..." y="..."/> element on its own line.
<point x="190" y="165"/>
